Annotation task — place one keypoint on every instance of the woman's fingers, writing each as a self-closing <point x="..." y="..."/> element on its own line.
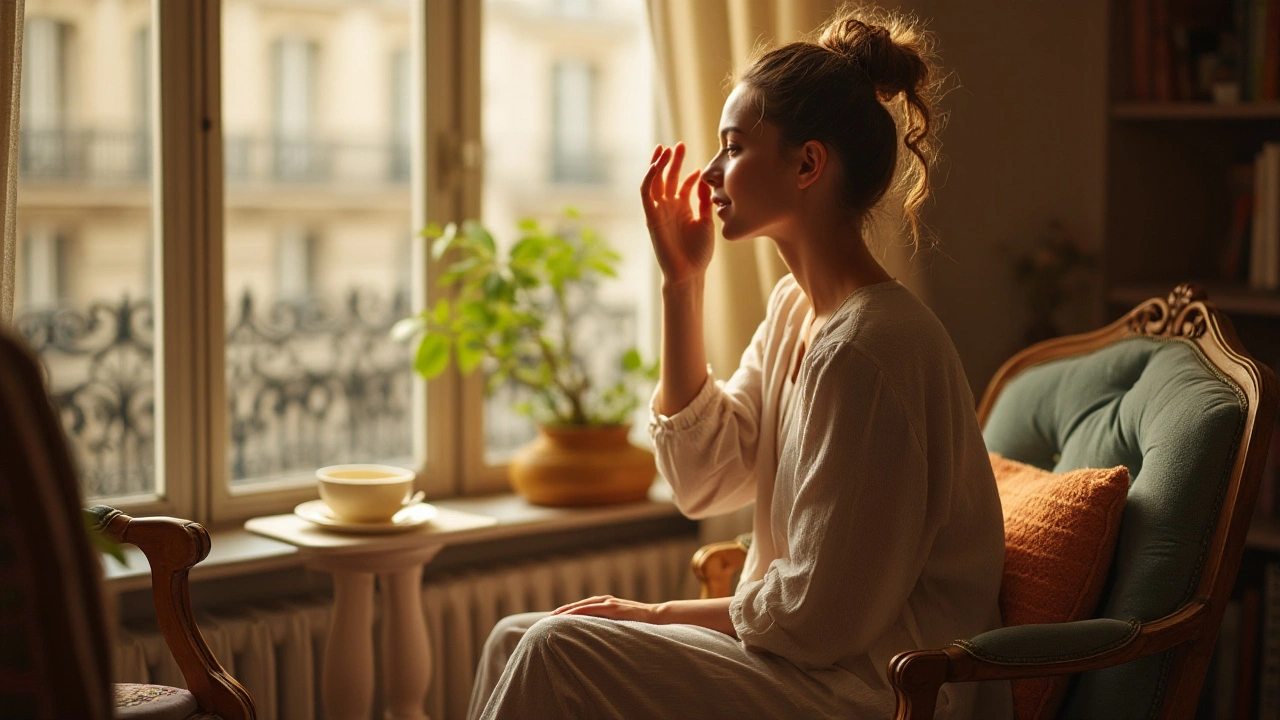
<point x="704" y="201"/>
<point x="580" y="603"/>
<point x="646" y="190"/>
<point x="673" y="173"/>
<point x="687" y="186"/>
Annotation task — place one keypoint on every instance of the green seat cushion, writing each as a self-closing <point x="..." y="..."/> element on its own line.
<point x="1160" y="409"/>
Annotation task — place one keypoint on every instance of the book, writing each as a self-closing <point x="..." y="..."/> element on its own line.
<point x="1264" y="246"/>
<point x="1271" y="52"/>
<point x="1238" y="237"/>
<point x="1141" y="50"/>
<point x="1161" y="53"/>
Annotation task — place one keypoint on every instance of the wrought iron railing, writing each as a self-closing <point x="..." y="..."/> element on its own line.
<point x="309" y="383"/>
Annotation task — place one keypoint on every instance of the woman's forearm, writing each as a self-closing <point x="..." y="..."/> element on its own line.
<point x="710" y="613"/>
<point x="684" y="357"/>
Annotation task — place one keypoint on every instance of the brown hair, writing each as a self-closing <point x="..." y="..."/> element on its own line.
<point x="836" y="89"/>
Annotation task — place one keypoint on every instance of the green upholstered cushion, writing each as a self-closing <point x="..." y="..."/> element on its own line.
<point x="1158" y="408"/>
<point x="1052" y="642"/>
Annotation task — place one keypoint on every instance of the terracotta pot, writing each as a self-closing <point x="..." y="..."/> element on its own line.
<point x="582" y="466"/>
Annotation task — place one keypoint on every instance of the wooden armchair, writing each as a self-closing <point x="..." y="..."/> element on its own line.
<point x="1197" y="412"/>
<point x="53" y="627"/>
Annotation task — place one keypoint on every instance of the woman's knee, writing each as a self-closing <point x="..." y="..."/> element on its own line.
<point x="506" y="634"/>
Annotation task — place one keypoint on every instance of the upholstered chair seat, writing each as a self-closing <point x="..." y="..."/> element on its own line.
<point x="135" y="701"/>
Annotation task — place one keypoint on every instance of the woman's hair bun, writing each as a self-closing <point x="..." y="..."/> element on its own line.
<point x="886" y="47"/>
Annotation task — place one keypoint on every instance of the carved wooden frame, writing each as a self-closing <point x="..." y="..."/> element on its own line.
<point x="173" y="547"/>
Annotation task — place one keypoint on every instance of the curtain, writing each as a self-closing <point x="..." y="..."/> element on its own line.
<point x="10" y="82"/>
<point x="699" y="46"/>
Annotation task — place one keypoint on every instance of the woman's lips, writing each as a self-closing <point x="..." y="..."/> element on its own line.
<point x="721" y="205"/>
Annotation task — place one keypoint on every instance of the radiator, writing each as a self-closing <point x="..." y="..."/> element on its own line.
<point x="275" y="649"/>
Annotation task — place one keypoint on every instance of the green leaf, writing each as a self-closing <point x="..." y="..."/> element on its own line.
<point x="529" y="225"/>
<point x="631" y="360"/>
<point x="494" y="286"/>
<point x="442" y="243"/>
<point x="440" y="315"/>
<point x="432" y="230"/>
<point x="470" y="354"/>
<point x="479" y="235"/>
<point x="572" y="212"/>
<point x="433" y="355"/>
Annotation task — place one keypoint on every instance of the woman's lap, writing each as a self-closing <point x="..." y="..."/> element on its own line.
<point x="581" y="666"/>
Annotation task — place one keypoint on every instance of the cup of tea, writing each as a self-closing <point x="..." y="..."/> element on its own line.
<point x="365" y="493"/>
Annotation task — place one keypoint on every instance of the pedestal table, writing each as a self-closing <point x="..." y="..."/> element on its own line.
<point x="354" y="560"/>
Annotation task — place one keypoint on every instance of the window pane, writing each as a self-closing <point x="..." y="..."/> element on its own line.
<point x="581" y="74"/>
<point x="315" y="103"/>
<point x="86" y="260"/>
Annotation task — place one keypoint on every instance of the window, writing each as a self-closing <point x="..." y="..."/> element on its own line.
<point x="219" y="235"/>
<point x="85" y="213"/>
<point x="574" y="157"/>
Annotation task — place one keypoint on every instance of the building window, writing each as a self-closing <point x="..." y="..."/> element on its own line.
<point x="573" y="93"/>
<point x="401" y="116"/>
<point x="297" y="154"/>
<point x="41" y="268"/>
<point x="46" y="144"/>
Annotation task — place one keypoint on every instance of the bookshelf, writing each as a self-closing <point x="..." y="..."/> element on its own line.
<point x="1179" y="170"/>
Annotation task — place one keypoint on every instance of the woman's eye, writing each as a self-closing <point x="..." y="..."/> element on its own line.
<point x="732" y="150"/>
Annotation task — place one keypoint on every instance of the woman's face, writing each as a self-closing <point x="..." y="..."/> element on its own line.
<point x="752" y="178"/>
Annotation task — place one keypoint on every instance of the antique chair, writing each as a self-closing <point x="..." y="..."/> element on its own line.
<point x="1168" y="391"/>
<point x="54" y="661"/>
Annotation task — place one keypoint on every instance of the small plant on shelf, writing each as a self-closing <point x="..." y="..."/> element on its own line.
<point x="1048" y="273"/>
<point x="514" y="310"/>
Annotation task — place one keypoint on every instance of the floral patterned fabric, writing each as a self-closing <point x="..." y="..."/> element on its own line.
<point x="153" y="702"/>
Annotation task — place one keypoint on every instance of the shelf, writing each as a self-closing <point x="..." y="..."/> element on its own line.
<point x="1228" y="298"/>
<point x="1196" y="111"/>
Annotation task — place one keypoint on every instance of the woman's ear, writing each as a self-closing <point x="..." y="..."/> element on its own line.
<point x="813" y="162"/>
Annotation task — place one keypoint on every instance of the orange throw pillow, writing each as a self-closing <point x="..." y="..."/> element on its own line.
<point x="1060" y="534"/>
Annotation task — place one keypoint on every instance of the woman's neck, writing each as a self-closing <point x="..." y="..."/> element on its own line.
<point x="829" y="263"/>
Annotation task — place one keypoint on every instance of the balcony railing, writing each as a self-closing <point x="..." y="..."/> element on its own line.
<point x="309" y="383"/>
<point x="114" y="156"/>
<point x="106" y="156"/>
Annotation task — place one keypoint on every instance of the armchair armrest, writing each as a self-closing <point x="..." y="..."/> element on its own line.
<point x="172" y="548"/>
<point x="715" y="565"/>
<point x="1027" y="651"/>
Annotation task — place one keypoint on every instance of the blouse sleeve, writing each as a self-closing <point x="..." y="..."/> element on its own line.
<point x="858" y="533"/>
<point x="707" y="450"/>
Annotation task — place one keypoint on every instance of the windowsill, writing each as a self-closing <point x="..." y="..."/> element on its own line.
<point x="237" y="551"/>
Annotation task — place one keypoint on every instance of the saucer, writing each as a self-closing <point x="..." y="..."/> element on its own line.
<point x="409" y="517"/>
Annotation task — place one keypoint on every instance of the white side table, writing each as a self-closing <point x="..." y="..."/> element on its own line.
<point x="354" y="560"/>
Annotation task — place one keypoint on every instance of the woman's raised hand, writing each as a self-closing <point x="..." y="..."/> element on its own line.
<point x="682" y="239"/>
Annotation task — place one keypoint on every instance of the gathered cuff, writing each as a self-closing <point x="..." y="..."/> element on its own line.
<point x="687" y="417"/>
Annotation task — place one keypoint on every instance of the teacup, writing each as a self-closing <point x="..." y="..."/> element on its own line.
<point x="365" y="493"/>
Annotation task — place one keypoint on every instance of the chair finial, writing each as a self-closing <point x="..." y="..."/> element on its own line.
<point x="1182" y="314"/>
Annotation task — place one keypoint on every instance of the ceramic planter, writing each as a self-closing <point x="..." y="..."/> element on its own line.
<point x="582" y="466"/>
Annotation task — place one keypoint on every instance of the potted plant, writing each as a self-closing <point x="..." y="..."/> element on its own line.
<point x="511" y="313"/>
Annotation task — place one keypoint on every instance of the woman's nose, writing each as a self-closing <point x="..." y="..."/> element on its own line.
<point x="711" y="174"/>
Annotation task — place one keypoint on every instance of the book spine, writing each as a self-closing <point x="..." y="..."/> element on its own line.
<point x="1242" y="10"/>
<point x="1141" y="50"/>
<point x="1257" y="233"/>
<point x="1258" y="36"/>
<point x="1271" y="238"/>
<point x="1162" y="54"/>
<point x="1271" y="52"/>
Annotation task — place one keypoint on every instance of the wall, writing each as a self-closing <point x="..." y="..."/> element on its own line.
<point x="1025" y="144"/>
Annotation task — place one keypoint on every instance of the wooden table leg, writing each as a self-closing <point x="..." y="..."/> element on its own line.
<point x="348" y="656"/>
<point x="406" y="646"/>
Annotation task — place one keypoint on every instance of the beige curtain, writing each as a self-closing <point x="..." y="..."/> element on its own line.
<point x="699" y="45"/>
<point x="10" y="83"/>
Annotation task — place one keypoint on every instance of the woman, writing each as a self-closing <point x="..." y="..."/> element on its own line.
<point x="849" y="423"/>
